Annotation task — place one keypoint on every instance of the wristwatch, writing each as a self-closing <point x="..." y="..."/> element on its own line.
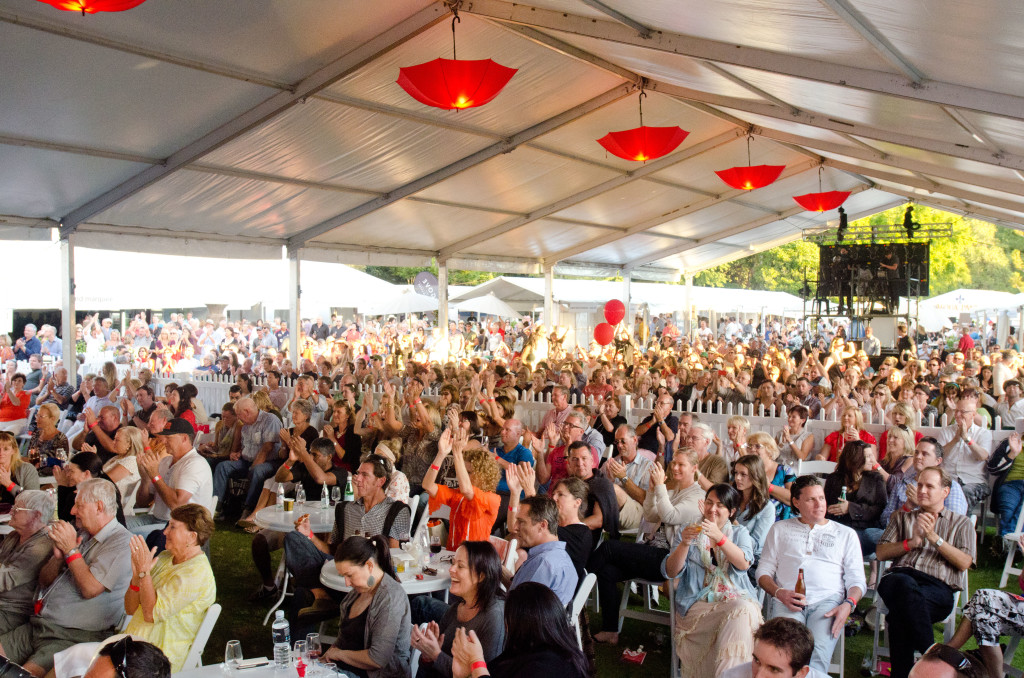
<point x="143" y="575"/>
<point x="939" y="542"/>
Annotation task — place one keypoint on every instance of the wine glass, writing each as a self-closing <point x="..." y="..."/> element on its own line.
<point x="313" y="646"/>
<point x="435" y="545"/>
<point x="335" y="494"/>
<point x="301" y="652"/>
<point x="232" y="655"/>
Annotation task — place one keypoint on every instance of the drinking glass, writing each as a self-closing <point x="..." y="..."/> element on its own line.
<point x="232" y="655"/>
<point x="313" y="646"/>
<point x="335" y="494"/>
<point x="435" y="546"/>
<point x="301" y="651"/>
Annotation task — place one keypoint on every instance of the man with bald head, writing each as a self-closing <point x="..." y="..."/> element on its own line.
<point x="259" y="454"/>
<point x="99" y="432"/>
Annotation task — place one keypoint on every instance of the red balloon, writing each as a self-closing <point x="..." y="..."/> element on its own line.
<point x="604" y="333"/>
<point x="614" y="311"/>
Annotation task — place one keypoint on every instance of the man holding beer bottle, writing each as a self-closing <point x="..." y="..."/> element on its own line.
<point x="813" y="568"/>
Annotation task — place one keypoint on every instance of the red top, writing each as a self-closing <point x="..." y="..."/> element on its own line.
<point x="470" y="519"/>
<point x="835" y="439"/>
<point x="11" y="412"/>
<point x="190" y="417"/>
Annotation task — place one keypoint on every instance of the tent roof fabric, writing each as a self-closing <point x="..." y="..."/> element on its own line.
<point x="266" y="123"/>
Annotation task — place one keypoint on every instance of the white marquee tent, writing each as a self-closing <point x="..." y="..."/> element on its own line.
<point x="236" y="127"/>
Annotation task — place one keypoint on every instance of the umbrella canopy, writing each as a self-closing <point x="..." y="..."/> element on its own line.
<point x="406" y="301"/>
<point x="488" y="305"/>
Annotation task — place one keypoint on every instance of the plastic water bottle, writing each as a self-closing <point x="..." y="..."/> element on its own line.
<point x="300" y="494"/>
<point x="280" y="495"/>
<point x="282" y="635"/>
<point x="325" y="497"/>
<point x="350" y="494"/>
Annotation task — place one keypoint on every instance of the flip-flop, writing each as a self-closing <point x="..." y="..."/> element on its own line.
<point x="246" y="524"/>
<point x="252" y="529"/>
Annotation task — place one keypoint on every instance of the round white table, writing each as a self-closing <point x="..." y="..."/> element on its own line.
<point x="330" y="578"/>
<point x="273" y="518"/>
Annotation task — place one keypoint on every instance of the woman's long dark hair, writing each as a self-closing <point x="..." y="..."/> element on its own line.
<point x="758" y="484"/>
<point x="185" y="395"/>
<point x="358" y="550"/>
<point x="535" y="621"/>
<point x="852" y="467"/>
<point x="484" y="563"/>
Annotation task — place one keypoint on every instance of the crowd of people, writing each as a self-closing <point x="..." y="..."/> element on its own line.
<point x="402" y="410"/>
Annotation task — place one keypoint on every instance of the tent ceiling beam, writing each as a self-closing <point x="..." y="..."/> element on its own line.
<point x="971" y="128"/>
<point x="907" y="164"/>
<point x="956" y="150"/>
<point x="481" y="156"/>
<point x="934" y="92"/>
<point x="728" y="233"/>
<point x="930" y="186"/>
<point x="753" y="89"/>
<point x="594" y="191"/>
<point x="968" y="210"/>
<point x="683" y="211"/>
<point x="76" y="33"/>
<point x="641" y="30"/>
<point x="885" y="49"/>
<point x="314" y="82"/>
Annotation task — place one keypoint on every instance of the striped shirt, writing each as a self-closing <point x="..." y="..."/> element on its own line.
<point x="952" y="527"/>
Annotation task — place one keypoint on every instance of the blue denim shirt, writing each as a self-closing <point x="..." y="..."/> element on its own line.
<point x="690" y="581"/>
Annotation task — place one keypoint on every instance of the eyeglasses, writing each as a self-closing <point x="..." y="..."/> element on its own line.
<point x="949" y="656"/>
<point x="568" y="425"/>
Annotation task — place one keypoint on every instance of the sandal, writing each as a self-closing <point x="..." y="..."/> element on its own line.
<point x="248" y="526"/>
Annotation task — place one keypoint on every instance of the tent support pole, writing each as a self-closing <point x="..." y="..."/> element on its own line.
<point x="549" y="304"/>
<point x="688" y="306"/>
<point x="67" y="299"/>
<point x="442" y="297"/>
<point x="627" y="281"/>
<point x="295" y="306"/>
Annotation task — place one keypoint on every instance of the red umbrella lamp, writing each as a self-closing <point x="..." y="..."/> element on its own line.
<point x="643" y="143"/>
<point x="452" y="83"/>
<point x="93" y="6"/>
<point x="822" y="201"/>
<point x="752" y="176"/>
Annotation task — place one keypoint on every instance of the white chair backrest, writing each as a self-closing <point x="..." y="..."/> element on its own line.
<point x="578" y="601"/>
<point x="817" y="468"/>
<point x="414" y="660"/>
<point x="512" y="556"/>
<point x="414" y="503"/>
<point x="194" y="658"/>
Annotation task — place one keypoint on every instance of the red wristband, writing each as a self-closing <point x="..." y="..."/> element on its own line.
<point x="906" y="545"/>
<point x="10" y="488"/>
<point x="135" y="588"/>
<point x="156" y="478"/>
<point x="417" y="401"/>
<point x="771" y="487"/>
<point x="93" y="425"/>
<point x="286" y="466"/>
<point x="148" y="449"/>
<point x="721" y="543"/>
<point x="478" y="665"/>
<point x="876" y="467"/>
<point x="435" y="467"/>
<point x="72" y="558"/>
<point x="483" y="400"/>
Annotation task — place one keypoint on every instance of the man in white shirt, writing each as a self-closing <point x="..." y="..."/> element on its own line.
<point x="182" y="477"/>
<point x="966" y="447"/>
<point x="630" y="471"/>
<point x="782" y="649"/>
<point x="829" y="555"/>
<point x="871" y="345"/>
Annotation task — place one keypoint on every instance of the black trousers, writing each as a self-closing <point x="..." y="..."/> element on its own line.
<point x="916" y="601"/>
<point x="616" y="561"/>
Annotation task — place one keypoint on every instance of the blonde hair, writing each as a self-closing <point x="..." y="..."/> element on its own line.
<point x="858" y="416"/>
<point x="486" y="471"/>
<point x="110" y="374"/>
<point x="8" y="438"/>
<point x="136" y="443"/>
<point x="765" y="439"/>
<point x="53" y="410"/>
<point x="737" y="420"/>
<point x="908" y="445"/>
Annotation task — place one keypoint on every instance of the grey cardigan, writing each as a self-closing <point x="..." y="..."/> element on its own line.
<point x="489" y="625"/>
<point x="388" y="629"/>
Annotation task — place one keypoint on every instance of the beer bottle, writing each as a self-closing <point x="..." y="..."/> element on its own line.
<point x="800" y="587"/>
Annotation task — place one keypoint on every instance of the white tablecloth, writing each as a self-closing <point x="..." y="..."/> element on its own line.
<point x="273" y="518"/>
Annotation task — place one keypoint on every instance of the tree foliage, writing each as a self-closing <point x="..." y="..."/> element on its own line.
<point x="977" y="255"/>
<point x="404" y="275"/>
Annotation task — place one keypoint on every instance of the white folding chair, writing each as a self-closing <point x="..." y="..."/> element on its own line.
<point x="194" y="658"/>
<point x="838" y="664"/>
<point x="578" y="601"/>
<point x="815" y="468"/>
<point x="1011" y="649"/>
<point x="1010" y="543"/>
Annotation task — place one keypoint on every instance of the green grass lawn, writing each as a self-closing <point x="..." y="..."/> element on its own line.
<point x="241" y="620"/>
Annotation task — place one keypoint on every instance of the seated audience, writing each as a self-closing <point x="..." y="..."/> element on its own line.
<point x="547" y="563"/>
<point x="48" y="447"/>
<point x="474" y="507"/>
<point x="479" y="607"/>
<point x="538" y="641"/>
<point x="782" y="649"/>
<point x="14" y="406"/>
<point x="715" y="605"/>
<point x="123" y="470"/>
<point x="865" y="492"/>
<point x="670" y="506"/>
<point x="780" y="477"/>
<point x="851" y="429"/>
<point x="828" y="555"/>
<point x="81" y="586"/>
<point x="629" y="471"/>
<point x="756" y="512"/>
<point x="15" y="475"/>
<point x="795" y="442"/>
<point x="931" y="549"/>
<point x="374" y="628"/>
<point x="601" y="512"/>
<point x="22" y="553"/>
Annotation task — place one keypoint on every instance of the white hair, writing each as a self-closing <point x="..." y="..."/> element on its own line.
<point x="39" y="501"/>
<point x="101" y="490"/>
